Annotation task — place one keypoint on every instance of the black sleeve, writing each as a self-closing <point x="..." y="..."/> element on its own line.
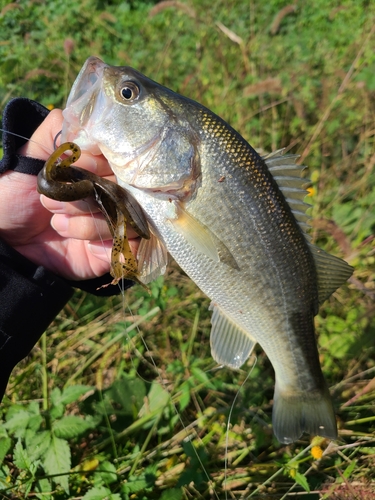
<point x="30" y="296"/>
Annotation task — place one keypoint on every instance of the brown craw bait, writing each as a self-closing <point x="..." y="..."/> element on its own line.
<point x="61" y="181"/>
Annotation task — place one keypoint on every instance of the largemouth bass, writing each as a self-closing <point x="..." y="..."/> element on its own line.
<point x="235" y="222"/>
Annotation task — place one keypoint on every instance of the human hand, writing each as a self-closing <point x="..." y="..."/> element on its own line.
<point x="70" y="239"/>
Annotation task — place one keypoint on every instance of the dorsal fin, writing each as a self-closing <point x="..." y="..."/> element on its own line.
<point x="332" y="272"/>
<point x="288" y="176"/>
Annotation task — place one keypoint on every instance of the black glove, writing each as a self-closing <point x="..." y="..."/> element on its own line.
<point x="22" y="117"/>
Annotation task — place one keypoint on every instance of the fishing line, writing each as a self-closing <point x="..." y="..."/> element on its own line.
<point x="125" y="303"/>
<point x="43" y="146"/>
<point x="178" y="414"/>
<point x="162" y="383"/>
<point x="228" y="424"/>
<point x="157" y="372"/>
<point x="159" y="376"/>
<point x="153" y="365"/>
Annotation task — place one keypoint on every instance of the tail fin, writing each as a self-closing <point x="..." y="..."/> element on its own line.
<point x="311" y="412"/>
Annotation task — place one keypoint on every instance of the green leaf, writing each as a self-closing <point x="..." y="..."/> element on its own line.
<point x="348" y="471"/>
<point x="172" y="494"/>
<point x="93" y="420"/>
<point x="70" y="427"/>
<point x="58" y="461"/>
<point x="106" y="473"/>
<point x="128" y="393"/>
<point x="189" y="475"/>
<point x="74" y="392"/>
<point x="184" y="398"/>
<point x="18" y="423"/>
<point x="57" y="407"/>
<point x="194" y="470"/>
<point x="144" y="481"/>
<point x="157" y="398"/>
<point x="5" y="444"/>
<point x="201" y="376"/>
<point x="21" y="457"/>
<point x="33" y="408"/>
<point x="302" y="481"/>
<point x="35" y="422"/>
<point x="339" y="342"/>
<point x="134" y="484"/>
<point x="43" y="486"/>
<point x="56" y="411"/>
<point x="100" y="493"/>
<point x="56" y="396"/>
<point x="38" y="444"/>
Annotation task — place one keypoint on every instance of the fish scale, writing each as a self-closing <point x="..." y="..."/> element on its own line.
<point x="220" y="210"/>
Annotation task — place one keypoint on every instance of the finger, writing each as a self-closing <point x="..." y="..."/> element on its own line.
<point x="85" y="227"/>
<point x="41" y="143"/>
<point x="81" y="227"/>
<point x="86" y="206"/>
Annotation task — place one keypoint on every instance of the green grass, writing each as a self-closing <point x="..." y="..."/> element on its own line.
<point x="93" y="413"/>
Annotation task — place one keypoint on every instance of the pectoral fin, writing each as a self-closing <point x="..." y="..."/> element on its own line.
<point x="152" y="259"/>
<point x="202" y="238"/>
<point x="230" y="345"/>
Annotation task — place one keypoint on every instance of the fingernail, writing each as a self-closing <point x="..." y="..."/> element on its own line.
<point x="57" y="207"/>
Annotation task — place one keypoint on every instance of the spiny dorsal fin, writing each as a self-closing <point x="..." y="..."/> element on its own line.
<point x="288" y="176"/>
<point x="230" y="345"/>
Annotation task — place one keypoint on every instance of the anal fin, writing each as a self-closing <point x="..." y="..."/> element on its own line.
<point x="230" y="344"/>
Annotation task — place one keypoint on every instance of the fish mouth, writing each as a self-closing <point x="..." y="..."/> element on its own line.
<point x="85" y="97"/>
<point x="90" y="74"/>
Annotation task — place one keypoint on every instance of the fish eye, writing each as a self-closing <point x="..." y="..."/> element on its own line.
<point x="129" y="91"/>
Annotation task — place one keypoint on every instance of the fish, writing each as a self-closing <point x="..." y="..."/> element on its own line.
<point x="234" y="221"/>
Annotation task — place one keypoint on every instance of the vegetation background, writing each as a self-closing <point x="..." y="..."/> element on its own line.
<point x="93" y="413"/>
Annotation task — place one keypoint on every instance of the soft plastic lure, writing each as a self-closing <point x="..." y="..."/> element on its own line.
<point x="61" y="181"/>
